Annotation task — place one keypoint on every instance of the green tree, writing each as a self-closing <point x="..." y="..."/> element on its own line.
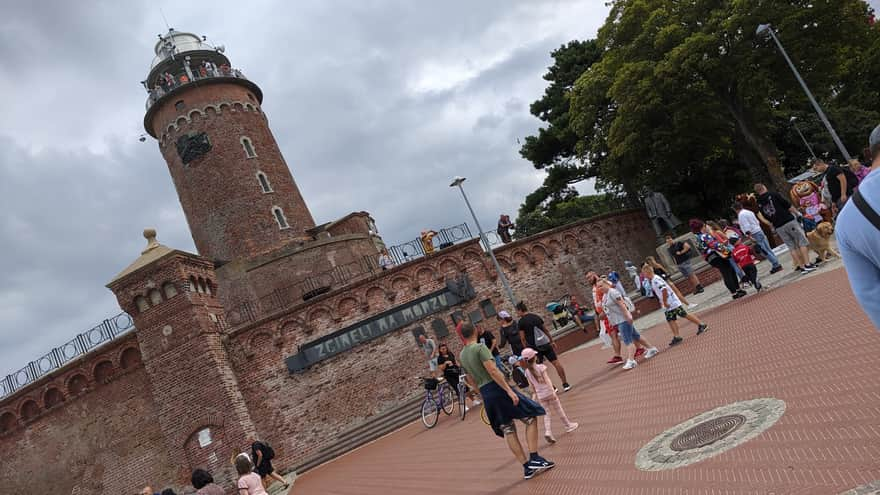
<point x="565" y="212"/>
<point x="686" y="99"/>
<point x="554" y="148"/>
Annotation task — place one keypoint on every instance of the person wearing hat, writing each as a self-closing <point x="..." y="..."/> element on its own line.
<point x="858" y="236"/>
<point x="539" y="380"/>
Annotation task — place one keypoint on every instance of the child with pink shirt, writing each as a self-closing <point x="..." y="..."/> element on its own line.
<point x="249" y="482"/>
<point x="540" y="382"/>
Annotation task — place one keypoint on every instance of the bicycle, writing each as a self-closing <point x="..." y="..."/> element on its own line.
<point x="431" y="406"/>
<point x="463" y="390"/>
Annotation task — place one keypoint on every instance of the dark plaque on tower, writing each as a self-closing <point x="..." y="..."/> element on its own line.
<point x="191" y="147"/>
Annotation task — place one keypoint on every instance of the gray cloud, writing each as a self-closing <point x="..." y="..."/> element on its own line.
<point x="375" y="105"/>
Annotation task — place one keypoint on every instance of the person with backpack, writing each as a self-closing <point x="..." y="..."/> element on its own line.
<point x="858" y="236"/>
<point x="262" y="453"/>
<point x="717" y="255"/>
<point x="533" y="334"/>
<point x="619" y="312"/>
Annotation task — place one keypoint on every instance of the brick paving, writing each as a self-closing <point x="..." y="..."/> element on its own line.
<point x="806" y="343"/>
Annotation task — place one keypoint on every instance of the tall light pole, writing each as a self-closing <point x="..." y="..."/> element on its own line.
<point x="457" y="183"/>
<point x="792" y="120"/>
<point x="766" y="29"/>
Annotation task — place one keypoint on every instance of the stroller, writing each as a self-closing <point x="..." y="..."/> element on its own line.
<point x="561" y="311"/>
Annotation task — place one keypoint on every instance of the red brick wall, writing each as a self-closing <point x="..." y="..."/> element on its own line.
<point x="191" y="380"/>
<point x="303" y="413"/>
<point x="229" y="215"/>
<point x="237" y="384"/>
<point x="102" y="440"/>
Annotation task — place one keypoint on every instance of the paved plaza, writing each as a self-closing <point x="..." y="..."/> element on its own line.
<point x="797" y="365"/>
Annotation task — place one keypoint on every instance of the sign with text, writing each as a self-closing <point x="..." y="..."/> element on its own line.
<point x="381" y="324"/>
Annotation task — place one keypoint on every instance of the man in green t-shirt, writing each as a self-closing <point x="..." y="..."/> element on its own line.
<point x="503" y="404"/>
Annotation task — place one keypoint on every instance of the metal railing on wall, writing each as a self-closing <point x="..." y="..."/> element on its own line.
<point x="339" y="276"/>
<point x="182" y="79"/>
<point x="106" y="331"/>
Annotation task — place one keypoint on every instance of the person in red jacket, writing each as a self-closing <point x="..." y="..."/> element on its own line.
<point x="742" y="254"/>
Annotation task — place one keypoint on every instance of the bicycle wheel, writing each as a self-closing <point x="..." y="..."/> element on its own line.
<point x="462" y="400"/>
<point x="430" y="412"/>
<point x="484" y="416"/>
<point x="447" y="399"/>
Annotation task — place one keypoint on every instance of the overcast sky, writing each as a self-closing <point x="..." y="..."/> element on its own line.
<point x="375" y="104"/>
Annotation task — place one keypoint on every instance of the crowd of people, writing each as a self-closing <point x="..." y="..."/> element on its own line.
<point x="732" y="247"/>
<point x="206" y="69"/>
<point x="255" y="474"/>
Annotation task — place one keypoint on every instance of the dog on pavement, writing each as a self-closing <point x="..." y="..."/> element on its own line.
<point x="820" y="241"/>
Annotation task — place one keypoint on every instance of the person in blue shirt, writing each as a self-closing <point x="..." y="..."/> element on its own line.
<point x="858" y="236"/>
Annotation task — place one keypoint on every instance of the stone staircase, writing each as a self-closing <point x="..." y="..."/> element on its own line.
<point x="376" y="427"/>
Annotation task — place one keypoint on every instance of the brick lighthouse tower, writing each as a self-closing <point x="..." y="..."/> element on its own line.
<point x="236" y="190"/>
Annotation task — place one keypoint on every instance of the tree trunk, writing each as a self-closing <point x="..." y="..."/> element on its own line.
<point x="766" y="150"/>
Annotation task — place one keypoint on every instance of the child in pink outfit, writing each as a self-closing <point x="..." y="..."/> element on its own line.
<point x="543" y="387"/>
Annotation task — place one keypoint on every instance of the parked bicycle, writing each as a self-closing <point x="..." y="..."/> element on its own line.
<point x="438" y="397"/>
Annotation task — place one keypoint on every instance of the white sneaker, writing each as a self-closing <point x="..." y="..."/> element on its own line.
<point x="651" y="352"/>
<point x="549" y="437"/>
<point x="570" y="428"/>
<point x="692" y="305"/>
<point x="630" y="364"/>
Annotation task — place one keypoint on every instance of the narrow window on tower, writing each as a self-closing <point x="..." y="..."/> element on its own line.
<point x="279" y="217"/>
<point x="248" y="147"/>
<point x="264" y="182"/>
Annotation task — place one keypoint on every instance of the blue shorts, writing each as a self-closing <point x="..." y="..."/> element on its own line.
<point x="628" y="333"/>
<point x="685" y="268"/>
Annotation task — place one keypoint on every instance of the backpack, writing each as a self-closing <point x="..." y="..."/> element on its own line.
<point x="629" y="304"/>
<point x="268" y="451"/>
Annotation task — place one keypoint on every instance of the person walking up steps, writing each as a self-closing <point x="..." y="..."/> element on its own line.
<point x="620" y="315"/>
<point x="535" y="335"/>
<point x="503" y="404"/>
<point x="672" y="306"/>
<point x="540" y="382"/>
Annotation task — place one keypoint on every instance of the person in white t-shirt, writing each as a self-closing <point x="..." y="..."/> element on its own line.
<point x="751" y="227"/>
<point x="671" y="304"/>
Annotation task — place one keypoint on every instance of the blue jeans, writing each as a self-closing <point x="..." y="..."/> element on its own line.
<point x="739" y="273"/>
<point x="764" y="244"/>
<point x="498" y="363"/>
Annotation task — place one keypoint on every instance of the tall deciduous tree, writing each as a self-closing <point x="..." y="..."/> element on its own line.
<point x="688" y="100"/>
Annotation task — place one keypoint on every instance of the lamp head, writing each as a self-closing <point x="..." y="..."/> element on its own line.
<point x="763" y="30"/>
<point x="457" y="181"/>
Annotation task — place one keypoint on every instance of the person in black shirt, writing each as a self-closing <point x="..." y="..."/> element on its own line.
<point x="681" y="254"/>
<point x="840" y="181"/>
<point x="509" y="333"/>
<point x="777" y="213"/>
<point x="446" y="363"/>
<point x="534" y="335"/>
<point x="487" y="338"/>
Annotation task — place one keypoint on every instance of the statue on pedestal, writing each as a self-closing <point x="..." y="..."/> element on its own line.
<point x="660" y="213"/>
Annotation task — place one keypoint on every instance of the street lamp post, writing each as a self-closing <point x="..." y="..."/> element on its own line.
<point x="767" y="29"/>
<point x="796" y="128"/>
<point x="457" y="183"/>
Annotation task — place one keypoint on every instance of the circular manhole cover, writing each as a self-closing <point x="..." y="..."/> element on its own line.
<point x="707" y="432"/>
<point x="872" y="488"/>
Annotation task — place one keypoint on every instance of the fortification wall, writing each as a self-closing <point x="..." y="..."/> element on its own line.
<point x="304" y="412"/>
<point x="88" y="428"/>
